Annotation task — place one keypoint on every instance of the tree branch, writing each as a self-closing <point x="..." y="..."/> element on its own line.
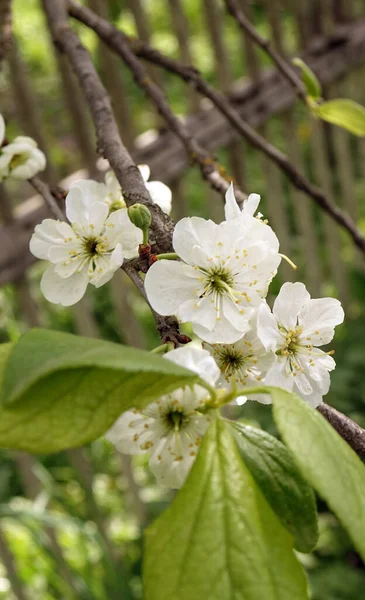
<point x="116" y="38"/>
<point x="108" y="140"/>
<point x="210" y="169"/>
<point x="285" y="69"/>
<point x="111" y="146"/>
<point x="350" y="431"/>
<point x="49" y="197"/>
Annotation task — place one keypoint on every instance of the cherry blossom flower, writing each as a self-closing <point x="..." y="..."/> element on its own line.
<point x="225" y="273"/>
<point x="110" y="192"/>
<point x="243" y="364"/>
<point x="294" y="330"/>
<point x="171" y="428"/>
<point x="89" y="250"/>
<point x="21" y="159"/>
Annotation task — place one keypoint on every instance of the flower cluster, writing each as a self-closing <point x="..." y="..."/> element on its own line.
<point x="172" y="428"/>
<point x="217" y="280"/>
<point x="95" y="242"/>
<point x="21" y="158"/>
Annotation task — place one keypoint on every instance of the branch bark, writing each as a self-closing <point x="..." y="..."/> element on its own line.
<point x="350" y="431"/>
<point x="109" y="143"/>
<point x="117" y="40"/>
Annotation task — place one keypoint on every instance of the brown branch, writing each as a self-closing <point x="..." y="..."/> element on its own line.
<point x="116" y="38"/>
<point x="350" y="431"/>
<point x="210" y="169"/>
<point x="110" y="145"/>
<point x="285" y="69"/>
<point x="108" y="140"/>
<point x="49" y="197"/>
<point x="5" y="28"/>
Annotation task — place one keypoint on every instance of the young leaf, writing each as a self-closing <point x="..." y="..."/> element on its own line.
<point x="344" y="113"/>
<point x="61" y="390"/>
<point x="275" y="472"/>
<point x="326" y="460"/>
<point x="312" y="85"/>
<point x="219" y="538"/>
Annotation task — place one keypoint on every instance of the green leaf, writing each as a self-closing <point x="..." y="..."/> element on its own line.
<point x="326" y="460"/>
<point x="61" y="390"/>
<point x="276" y="473"/>
<point x="344" y="113"/>
<point x="312" y="85"/>
<point x="220" y="539"/>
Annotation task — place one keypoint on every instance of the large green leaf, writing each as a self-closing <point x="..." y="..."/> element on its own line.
<point x="61" y="390"/>
<point x="344" y="113"/>
<point x="325" y="459"/>
<point x="220" y="539"/>
<point x="276" y="473"/>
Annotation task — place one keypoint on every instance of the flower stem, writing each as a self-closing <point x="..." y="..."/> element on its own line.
<point x="163" y="348"/>
<point x="145" y="236"/>
<point x="167" y="256"/>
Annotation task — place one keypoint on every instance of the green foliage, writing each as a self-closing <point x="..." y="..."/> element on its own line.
<point x="219" y="538"/>
<point x="326" y="460"/>
<point x="312" y="85"/>
<point x="273" y="468"/>
<point x="61" y="390"/>
<point x="342" y="112"/>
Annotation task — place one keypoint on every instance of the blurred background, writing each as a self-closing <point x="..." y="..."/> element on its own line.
<point x="71" y="524"/>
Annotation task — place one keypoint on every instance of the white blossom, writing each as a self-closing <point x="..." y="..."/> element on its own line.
<point x="225" y="273"/>
<point x="21" y="159"/>
<point x="243" y="364"/>
<point x="294" y="330"/>
<point x="111" y="193"/>
<point x="170" y="429"/>
<point x="159" y="192"/>
<point x="89" y="250"/>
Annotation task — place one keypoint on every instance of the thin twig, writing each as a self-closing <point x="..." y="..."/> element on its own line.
<point x="350" y="431"/>
<point x="285" y="69"/>
<point x="115" y="38"/>
<point x="209" y="167"/>
<point x="49" y="199"/>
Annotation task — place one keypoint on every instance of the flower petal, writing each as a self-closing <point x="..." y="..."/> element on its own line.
<point x="319" y="317"/>
<point x="191" y="232"/>
<point x="197" y="360"/>
<point x="250" y="205"/>
<point x="145" y="171"/>
<point x="126" y="431"/>
<point x="231" y="208"/>
<point x="160" y="194"/>
<point x="267" y="328"/>
<point x="291" y="299"/>
<point x="45" y="235"/>
<point x="169" y="284"/>
<point x="64" y="291"/>
<point x="119" y="228"/>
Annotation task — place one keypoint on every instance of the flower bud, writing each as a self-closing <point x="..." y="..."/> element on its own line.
<point x="141" y="218"/>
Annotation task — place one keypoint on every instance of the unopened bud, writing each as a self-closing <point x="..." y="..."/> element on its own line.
<point x="140" y="216"/>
